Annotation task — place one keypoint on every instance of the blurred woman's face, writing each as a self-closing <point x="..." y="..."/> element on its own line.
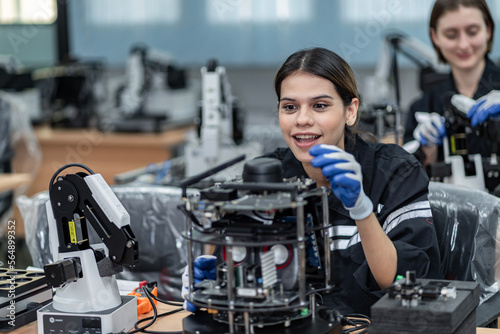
<point x="462" y="36"/>
<point x="311" y="112"/>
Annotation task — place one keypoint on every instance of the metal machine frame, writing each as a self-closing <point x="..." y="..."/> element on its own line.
<point x="258" y="292"/>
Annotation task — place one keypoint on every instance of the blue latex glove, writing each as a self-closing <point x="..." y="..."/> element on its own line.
<point x="485" y="107"/>
<point x="430" y="130"/>
<point x="203" y="268"/>
<point x="344" y="174"/>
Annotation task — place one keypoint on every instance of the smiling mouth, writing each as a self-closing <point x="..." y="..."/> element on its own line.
<point x="306" y="138"/>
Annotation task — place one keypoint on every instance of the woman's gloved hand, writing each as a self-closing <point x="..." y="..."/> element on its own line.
<point x="344" y="174"/>
<point x="430" y="130"/>
<point x="203" y="268"/>
<point x="485" y="107"/>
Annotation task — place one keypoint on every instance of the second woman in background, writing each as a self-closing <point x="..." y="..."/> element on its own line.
<point x="462" y="35"/>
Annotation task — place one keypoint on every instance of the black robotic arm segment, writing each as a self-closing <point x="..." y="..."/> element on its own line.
<point x="80" y="198"/>
<point x="120" y="240"/>
<point x="64" y="200"/>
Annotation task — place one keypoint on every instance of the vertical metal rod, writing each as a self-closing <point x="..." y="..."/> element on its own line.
<point x="302" y="250"/>
<point x="252" y="330"/>
<point x="230" y="318"/>
<point x="326" y="236"/>
<point x="313" y="306"/>
<point x="189" y="235"/>
<point x="246" y="319"/>
<point x="230" y="282"/>
<point x="380" y="123"/>
<point x="395" y="73"/>
<point x="230" y="272"/>
<point x="398" y="126"/>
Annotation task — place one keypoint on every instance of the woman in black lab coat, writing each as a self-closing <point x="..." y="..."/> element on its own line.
<point x="381" y="217"/>
<point x="382" y="223"/>
<point x="462" y="35"/>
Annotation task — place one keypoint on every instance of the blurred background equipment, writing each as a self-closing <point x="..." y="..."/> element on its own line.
<point x="17" y="81"/>
<point x="383" y="89"/>
<point x="379" y="120"/>
<point x="156" y="94"/>
<point x="20" y="153"/>
<point x="458" y="165"/>
<point x="220" y="134"/>
<point x="384" y="86"/>
<point x="70" y="92"/>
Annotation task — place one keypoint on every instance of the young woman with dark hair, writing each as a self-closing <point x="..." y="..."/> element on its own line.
<point x="461" y="32"/>
<point x="378" y="202"/>
<point x="378" y="205"/>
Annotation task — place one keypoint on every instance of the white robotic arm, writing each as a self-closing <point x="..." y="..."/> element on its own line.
<point x="216" y="142"/>
<point x="146" y="68"/>
<point x="83" y="274"/>
<point x="217" y="102"/>
<point x="379" y="87"/>
<point x="86" y="297"/>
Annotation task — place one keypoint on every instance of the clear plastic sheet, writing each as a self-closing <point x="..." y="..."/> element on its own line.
<point x="155" y="220"/>
<point x="17" y="141"/>
<point x="467" y="222"/>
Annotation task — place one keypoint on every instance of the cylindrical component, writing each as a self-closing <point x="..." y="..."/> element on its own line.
<point x="263" y="170"/>
<point x="301" y="250"/>
<point x="230" y="320"/>
<point x="230" y="272"/>
<point x="240" y="275"/>
<point x="313" y="306"/>
<point x="326" y="236"/>
<point x="246" y="319"/>
<point x="189" y="235"/>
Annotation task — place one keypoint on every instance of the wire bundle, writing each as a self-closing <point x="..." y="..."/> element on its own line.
<point x="153" y="318"/>
<point x="359" y="323"/>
